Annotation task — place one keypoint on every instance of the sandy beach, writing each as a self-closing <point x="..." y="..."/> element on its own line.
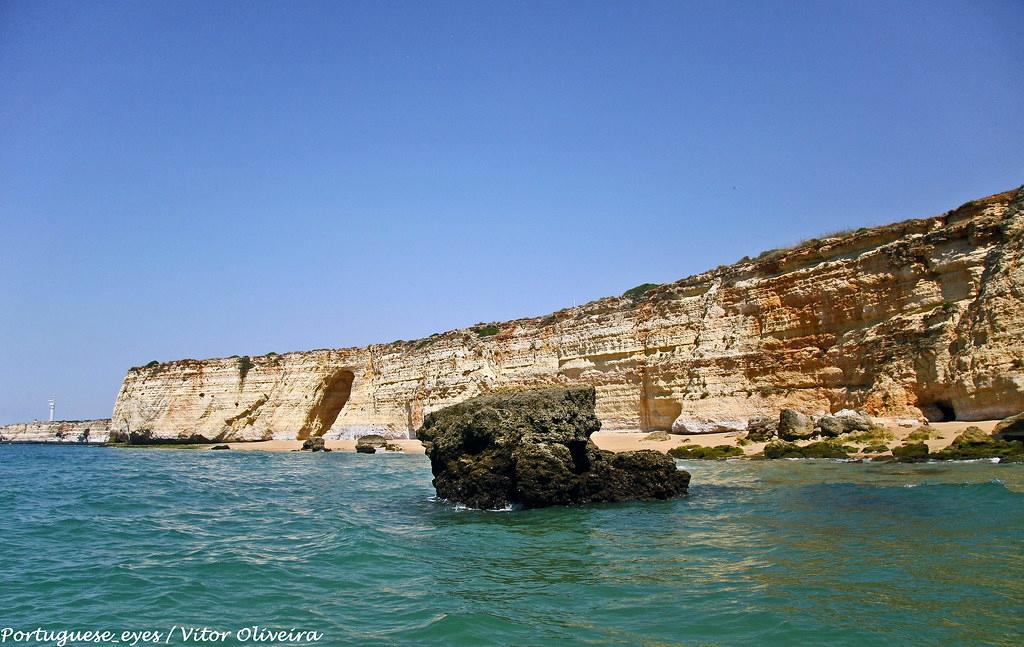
<point x="941" y="435"/>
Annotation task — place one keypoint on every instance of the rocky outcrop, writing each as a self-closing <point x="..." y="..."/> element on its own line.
<point x="533" y="449"/>
<point x="924" y="318"/>
<point x="373" y="443"/>
<point x="972" y="444"/>
<point x="315" y="444"/>
<point x="1011" y="428"/>
<point x="59" y="431"/>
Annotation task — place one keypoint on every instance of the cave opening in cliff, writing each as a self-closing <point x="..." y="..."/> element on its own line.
<point x="330" y="400"/>
<point x="938" y="410"/>
<point x="946" y="411"/>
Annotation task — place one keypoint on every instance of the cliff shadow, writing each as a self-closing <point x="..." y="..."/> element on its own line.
<point x="330" y="399"/>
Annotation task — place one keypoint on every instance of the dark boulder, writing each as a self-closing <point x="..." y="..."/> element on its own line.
<point x="1011" y="428"/>
<point x="533" y="448"/>
<point x="315" y="444"/>
<point x="794" y="425"/>
<point x="761" y="429"/>
<point x="220" y="447"/>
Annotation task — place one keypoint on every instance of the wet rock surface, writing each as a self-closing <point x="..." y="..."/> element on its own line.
<point x="533" y="449"/>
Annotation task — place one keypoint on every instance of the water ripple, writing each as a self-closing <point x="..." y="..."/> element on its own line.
<point x="770" y="553"/>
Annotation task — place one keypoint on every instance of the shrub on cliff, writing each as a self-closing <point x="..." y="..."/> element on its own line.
<point x="486" y="331"/>
<point x="638" y="293"/>
<point x="244" y="365"/>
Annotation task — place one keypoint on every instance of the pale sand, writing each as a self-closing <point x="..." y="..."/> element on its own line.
<point x="942" y="433"/>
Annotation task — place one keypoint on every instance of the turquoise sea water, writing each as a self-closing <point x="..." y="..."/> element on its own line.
<point x="759" y="553"/>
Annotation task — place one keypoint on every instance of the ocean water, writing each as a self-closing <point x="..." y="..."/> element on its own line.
<point x="353" y="547"/>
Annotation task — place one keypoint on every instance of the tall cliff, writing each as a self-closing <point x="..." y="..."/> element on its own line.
<point x="58" y="431"/>
<point x="920" y="318"/>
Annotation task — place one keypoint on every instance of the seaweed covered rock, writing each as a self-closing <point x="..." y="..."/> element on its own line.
<point x="705" y="453"/>
<point x="533" y="448"/>
<point x="910" y="452"/>
<point x="974" y="443"/>
<point x="813" y="450"/>
<point x="878" y="448"/>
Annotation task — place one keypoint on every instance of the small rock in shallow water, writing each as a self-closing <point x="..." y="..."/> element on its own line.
<point x="220" y="447"/>
<point x="533" y="448"/>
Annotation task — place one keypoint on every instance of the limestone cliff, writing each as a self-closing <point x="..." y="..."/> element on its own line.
<point x="58" y="431"/>
<point x="920" y="318"/>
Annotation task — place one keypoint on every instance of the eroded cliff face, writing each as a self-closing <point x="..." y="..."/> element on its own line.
<point x="924" y="318"/>
<point x="58" y="431"/>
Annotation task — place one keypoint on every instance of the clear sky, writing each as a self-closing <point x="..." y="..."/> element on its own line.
<point x="205" y="179"/>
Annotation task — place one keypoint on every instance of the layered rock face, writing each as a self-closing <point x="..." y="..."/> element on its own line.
<point x="533" y="449"/>
<point x="58" y="431"/>
<point x="924" y="318"/>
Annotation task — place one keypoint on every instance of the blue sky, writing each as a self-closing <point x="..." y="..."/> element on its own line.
<point x="206" y="179"/>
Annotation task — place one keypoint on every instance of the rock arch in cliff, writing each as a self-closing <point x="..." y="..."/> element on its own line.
<point x="329" y="399"/>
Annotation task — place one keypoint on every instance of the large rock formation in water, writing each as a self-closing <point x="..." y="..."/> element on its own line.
<point x="533" y="448"/>
<point x="920" y="318"/>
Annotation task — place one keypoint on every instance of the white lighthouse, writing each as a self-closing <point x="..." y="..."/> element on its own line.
<point x="53" y="404"/>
